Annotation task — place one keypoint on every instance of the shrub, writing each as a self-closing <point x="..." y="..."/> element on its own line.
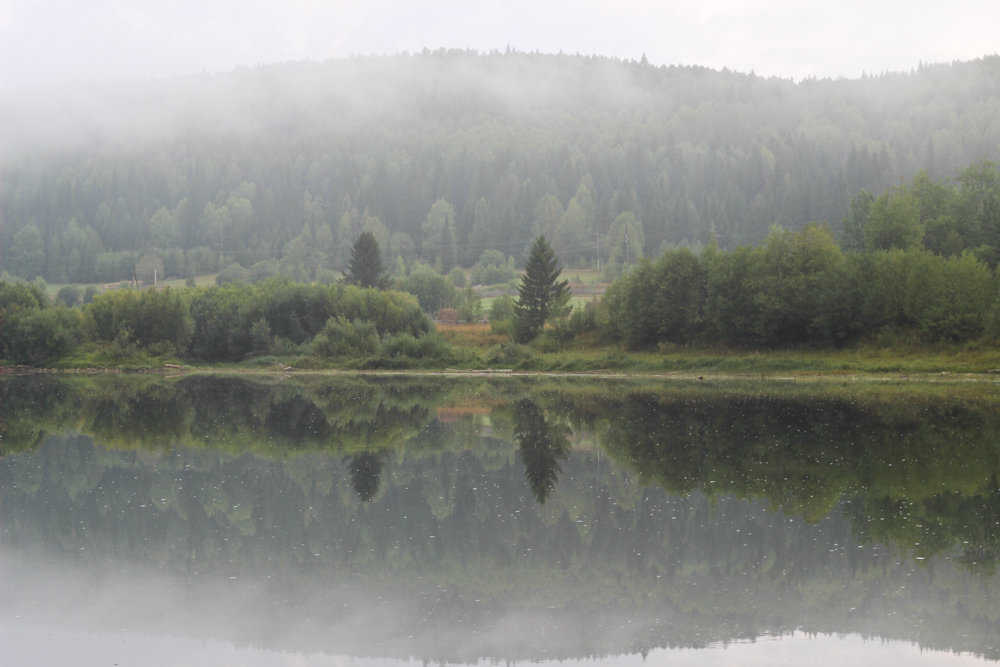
<point x="430" y="346"/>
<point x="502" y="309"/>
<point x="508" y="354"/>
<point x="42" y="335"/>
<point x="341" y="337"/>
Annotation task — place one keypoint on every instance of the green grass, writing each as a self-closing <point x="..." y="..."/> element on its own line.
<point x="943" y="360"/>
<point x="470" y="353"/>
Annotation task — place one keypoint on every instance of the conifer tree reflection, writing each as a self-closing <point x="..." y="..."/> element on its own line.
<point x="541" y="446"/>
<point x="366" y="471"/>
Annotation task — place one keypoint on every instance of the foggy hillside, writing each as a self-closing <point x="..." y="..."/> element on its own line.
<point x="444" y="155"/>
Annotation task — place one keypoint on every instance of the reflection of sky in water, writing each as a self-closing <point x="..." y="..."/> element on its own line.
<point x="46" y="646"/>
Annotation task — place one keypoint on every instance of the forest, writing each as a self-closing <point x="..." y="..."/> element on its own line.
<point x="447" y="155"/>
<point x="796" y="290"/>
<point x="720" y="208"/>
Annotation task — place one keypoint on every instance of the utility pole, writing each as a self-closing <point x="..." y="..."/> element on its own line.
<point x="597" y="231"/>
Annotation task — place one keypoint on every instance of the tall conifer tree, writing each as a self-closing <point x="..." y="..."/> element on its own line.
<point x="540" y="293"/>
<point x="365" y="268"/>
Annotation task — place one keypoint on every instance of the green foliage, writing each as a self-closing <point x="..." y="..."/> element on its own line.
<point x="224" y="317"/>
<point x="221" y="322"/>
<point x="69" y="295"/>
<point x="264" y="270"/>
<point x="342" y="338"/>
<point x="948" y="300"/>
<point x="149" y="269"/>
<point x="798" y="288"/>
<point x="234" y="273"/>
<point x="580" y="321"/>
<point x="89" y="293"/>
<point x="856" y="222"/>
<point x="437" y="235"/>
<point x="626" y="240"/>
<point x="493" y="268"/>
<point x="470" y="307"/>
<point x="509" y="355"/>
<point x="27" y="252"/>
<point x="432" y="290"/>
<point x="894" y="222"/>
<point x="404" y="350"/>
<point x="457" y="277"/>
<point x="261" y="340"/>
<point x="19" y="296"/>
<point x="41" y="335"/>
<point x="365" y="268"/>
<point x="541" y="295"/>
<point x="502" y="308"/>
<point x="144" y="317"/>
<point x="661" y="301"/>
<point x="298" y="188"/>
<point x="32" y="330"/>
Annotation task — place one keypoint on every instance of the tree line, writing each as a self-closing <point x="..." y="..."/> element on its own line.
<point x="360" y="317"/>
<point x="919" y="265"/>
<point x="799" y="288"/>
<point x="916" y="262"/>
<point x="220" y="323"/>
<point x="446" y="156"/>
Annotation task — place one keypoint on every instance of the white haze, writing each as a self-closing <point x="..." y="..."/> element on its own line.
<point x="106" y="614"/>
<point x="334" y="97"/>
<point x="44" y="42"/>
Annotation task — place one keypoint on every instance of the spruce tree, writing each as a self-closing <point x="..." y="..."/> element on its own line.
<point x="365" y="268"/>
<point x="540" y="293"/>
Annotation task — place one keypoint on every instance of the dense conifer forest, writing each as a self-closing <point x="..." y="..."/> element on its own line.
<point x="446" y="155"/>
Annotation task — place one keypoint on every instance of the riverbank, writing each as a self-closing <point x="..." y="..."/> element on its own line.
<point x="980" y="361"/>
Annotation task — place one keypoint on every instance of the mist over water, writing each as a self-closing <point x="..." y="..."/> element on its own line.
<point x="227" y="540"/>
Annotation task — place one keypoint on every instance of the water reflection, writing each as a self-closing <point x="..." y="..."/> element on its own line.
<point x="541" y="446"/>
<point x="463" y="520"/>
<point x="366" y="469"/>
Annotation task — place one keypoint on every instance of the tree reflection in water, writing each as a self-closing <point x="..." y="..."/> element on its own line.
<point x="541" y="446"/>
<point x="366" y="469"/>
<point x="418" y="516"/>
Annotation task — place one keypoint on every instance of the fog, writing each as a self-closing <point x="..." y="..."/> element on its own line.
<point x="331" y="97"/>
<point x="44" y="42"/>
<point x="101" y="614"/>
<point x="690" y="151"/>
<point x="141" y="605"/>
<point x="429" y="91"/>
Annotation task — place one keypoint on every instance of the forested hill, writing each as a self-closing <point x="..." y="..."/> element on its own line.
<point x="443" y="155"/>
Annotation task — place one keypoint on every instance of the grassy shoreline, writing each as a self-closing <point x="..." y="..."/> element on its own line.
<point x="916" y="362"/>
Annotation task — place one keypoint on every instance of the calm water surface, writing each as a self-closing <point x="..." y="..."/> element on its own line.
<point x="390" y="521"/>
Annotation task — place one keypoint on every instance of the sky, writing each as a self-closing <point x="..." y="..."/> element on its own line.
<point x="45" y="42"/>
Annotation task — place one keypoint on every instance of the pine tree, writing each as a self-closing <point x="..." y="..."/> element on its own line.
<point x="365" y="268"/>
<point x="540" y="293"/>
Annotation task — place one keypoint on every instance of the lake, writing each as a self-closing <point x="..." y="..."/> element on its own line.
<point x="395" y="520"/>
